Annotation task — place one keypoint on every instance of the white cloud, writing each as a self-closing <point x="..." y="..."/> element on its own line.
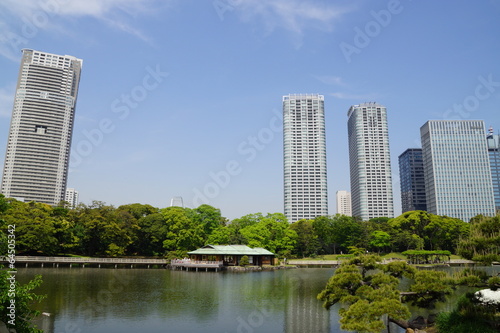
<point x="331" y="80"/>
<point x="22" y="20"/>
<point x="359" y="97"/>
<point x="292" y="15"/>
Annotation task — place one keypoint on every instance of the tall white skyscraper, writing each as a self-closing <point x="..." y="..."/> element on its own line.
<point x="71" y="197"/>
<point x="457" y="169"/>
<point x="36" y="162"/>
<point x="370" y="161"/>
<point x="344" y="203"/>
<point x="305" y="183"/>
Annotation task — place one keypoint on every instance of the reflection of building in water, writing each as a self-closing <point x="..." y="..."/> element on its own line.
<point x="305" y="313"/>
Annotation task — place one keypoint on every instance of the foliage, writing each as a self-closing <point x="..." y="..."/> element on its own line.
<point x="24" y="299"/>
<point x="426" y="257"/>
<point x="494" y="282"/>
<point x="307" y="241"/>
<point x="471" y="277"/>
<point x="244" y="261"/>
<point x="430" y="287"/>
<point x="469" y="316"/>
<point x="380" y="240"/>
<point x="437" y="232"/>
<point x="483" y="242"/>
<point x="368" y="292"/>
<point x="99" y="229"/>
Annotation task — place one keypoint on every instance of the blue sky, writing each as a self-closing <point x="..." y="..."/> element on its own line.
<point x="183" y="98"/>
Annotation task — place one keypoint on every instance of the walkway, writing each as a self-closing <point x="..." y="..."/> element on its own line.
<point x="55" y="261"/>
<point x="188" y="263"/>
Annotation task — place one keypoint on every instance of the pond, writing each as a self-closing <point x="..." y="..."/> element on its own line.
<point x="157" y="300"/>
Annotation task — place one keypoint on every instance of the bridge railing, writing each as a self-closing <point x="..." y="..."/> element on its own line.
<point x="86" y="260"/>
<point x="187" y="262"/>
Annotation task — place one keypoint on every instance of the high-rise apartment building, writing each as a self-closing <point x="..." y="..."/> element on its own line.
<point x="36" y="162"/>
<point x="494" y="152"/>
<point x="344" y="203"/>
<point x="457" y="169"/>
<point x="71" y="197"/>
<point x="370" y="161"/>
<point x="412" y="180"/>
<point x="305" y="184"/>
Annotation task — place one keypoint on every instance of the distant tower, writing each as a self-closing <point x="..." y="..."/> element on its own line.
<point x="304" y="154"/>
<point x="412" y="180"/>
<point x="457" y="169"/>
<point x="71" y="197"/>
<point x="494" y="152"/>
<point x="370" y="161"/>
<point x="176" y="202"/>
<point x="344" y="203"/>
<point x="36" y="161"/>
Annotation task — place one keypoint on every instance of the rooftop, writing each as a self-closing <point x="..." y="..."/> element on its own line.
<point x="232" y="250"/>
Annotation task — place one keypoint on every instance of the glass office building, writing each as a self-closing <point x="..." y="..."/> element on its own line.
<point x="37" y="156"/>
<point x="457" y="169"/>
<point x="370" y="161"/>
<point x="412" y="180"/>
<point x="305" y="183"/>
<point x="494" y="153"/>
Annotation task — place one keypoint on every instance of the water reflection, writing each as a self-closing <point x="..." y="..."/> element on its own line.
<point x="156" y="300"/>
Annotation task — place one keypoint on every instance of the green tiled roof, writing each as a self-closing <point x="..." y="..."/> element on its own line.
<point x="232" y="250"/>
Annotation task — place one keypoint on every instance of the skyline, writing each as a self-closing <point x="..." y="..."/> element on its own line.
<point x="168" y="107"/>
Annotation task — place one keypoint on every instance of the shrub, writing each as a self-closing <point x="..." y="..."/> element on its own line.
<point x="244" y="261"/>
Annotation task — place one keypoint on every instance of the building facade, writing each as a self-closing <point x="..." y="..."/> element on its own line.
<point x="412" y="180"/>
<point x="37" y="157"/>
<point x="305" y="181"/>
<point x="71" y="197"/>
<point x="344" y="203"/>
<point x="494" y="153"/>
<point x="370" y="161"/>
<point x="457" y="169"/>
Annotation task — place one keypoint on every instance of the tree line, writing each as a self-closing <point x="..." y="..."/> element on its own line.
<point x="137" y="229"/>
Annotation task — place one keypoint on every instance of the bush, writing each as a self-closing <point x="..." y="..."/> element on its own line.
<point x="494" y="282"/>
<point x="454" y="322"/>
<point x="244" y="261"/>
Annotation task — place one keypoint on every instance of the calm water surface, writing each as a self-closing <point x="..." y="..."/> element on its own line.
<point x="108" y="300"/>
<point x="158" y="300"/>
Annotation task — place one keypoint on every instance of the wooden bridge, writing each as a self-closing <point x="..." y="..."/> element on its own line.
<point x="196" y="264"/>
<point x="85" y="261"/>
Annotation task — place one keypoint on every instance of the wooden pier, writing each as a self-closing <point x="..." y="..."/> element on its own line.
<point x="26" y="261"/>
<point x="196" y="264"/>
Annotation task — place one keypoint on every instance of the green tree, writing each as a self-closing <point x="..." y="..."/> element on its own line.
<point x="183" y="233"/>
<point x="368" y="292"/>
<point x="271" y="232"/>
<point x="380" y="240"/>
<point x="36" y="227"/>
<point x="208" y="216"/>
<point x="220" y="236"/>
<point x="483" y="242"/>
<point x="24" y="299"/>
<point x="307" y="240"/>
<point x="150" y="235"/>
<point x="324" y="230"/>
<point x="437" y="232"/>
